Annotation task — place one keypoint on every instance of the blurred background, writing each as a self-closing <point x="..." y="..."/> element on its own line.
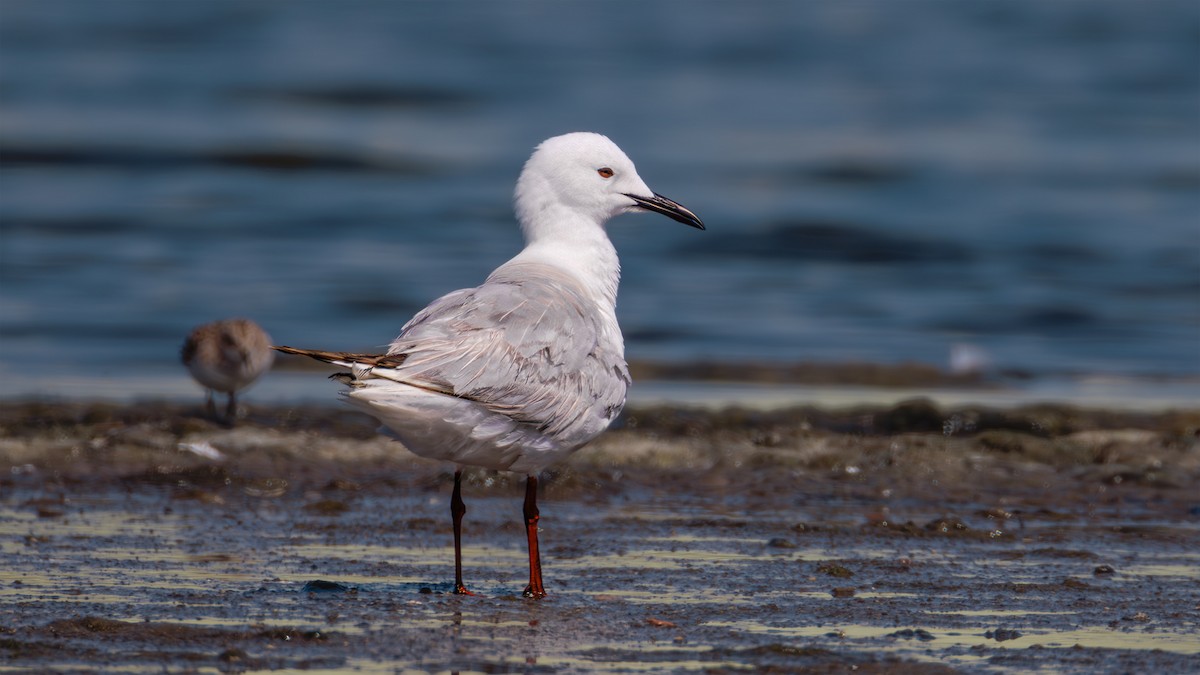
<point x="1014" y="182"/>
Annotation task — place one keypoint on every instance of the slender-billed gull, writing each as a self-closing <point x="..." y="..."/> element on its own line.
<point x="227" y="356"/>
<point x="520" y="372"/>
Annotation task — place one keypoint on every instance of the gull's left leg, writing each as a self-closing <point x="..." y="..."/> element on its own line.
<point x="457" y="510"/>
<point x="534" y="589"/>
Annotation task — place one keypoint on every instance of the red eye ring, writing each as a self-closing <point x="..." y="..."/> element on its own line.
<point x="605" y="172"/>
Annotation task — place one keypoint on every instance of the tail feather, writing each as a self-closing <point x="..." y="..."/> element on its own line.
<point x="345" y="358"/>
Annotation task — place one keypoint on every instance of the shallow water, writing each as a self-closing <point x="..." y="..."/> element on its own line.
<point x="881" y="180"/>
<point x="191" y="582"/>
<point x="1048" y="539"/>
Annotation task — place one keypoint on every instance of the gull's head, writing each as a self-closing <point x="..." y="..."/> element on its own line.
<point x="584" y="177"/>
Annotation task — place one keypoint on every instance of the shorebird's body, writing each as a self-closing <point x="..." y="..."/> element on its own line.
<point x="227" y="356"/>
<point x="521" y="371"/>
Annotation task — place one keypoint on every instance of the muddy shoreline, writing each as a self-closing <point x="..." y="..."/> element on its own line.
<point x="908" y="538"/>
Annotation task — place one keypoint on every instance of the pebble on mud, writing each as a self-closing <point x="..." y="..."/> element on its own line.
<point x="1002" y="634"/>
<point x="946" y="525"/>
<point x="233" y="655"/>
<point x="835" y="570"/>
<point x="322" y="586"/>
<point x="909" y="633"/>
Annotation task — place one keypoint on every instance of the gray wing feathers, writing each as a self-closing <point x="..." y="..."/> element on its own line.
<point x="523" y="344"/>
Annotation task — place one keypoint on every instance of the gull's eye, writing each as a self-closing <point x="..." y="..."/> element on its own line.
<point x="605" y="172"/>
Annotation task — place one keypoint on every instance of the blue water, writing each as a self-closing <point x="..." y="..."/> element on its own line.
<point x="881" y="180"/>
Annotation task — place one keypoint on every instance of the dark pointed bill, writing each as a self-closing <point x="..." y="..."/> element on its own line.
<point x="671" y="209"/>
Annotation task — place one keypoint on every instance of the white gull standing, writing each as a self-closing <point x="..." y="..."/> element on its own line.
<point x="520" y="372"/>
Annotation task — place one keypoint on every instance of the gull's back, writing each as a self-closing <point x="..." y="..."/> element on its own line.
<point x="514" y="374"/>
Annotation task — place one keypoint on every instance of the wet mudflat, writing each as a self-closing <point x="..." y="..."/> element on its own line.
<point x="139" y="538"/>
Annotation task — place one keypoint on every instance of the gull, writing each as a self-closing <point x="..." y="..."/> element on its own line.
<point x="227" y="356"/>
<point x="518" y="373"/>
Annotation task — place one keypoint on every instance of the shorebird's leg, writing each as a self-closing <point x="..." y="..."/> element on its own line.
<point x="534" y="589"/>
<point x="457" y="510"/>
<point x="231" y="409"/>
<point x="210" y="408"/>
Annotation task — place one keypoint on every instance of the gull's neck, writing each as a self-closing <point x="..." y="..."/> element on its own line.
<point x="576" y="244"/>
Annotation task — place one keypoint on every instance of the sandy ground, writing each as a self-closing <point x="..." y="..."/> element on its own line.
<point x="144" y="538"/>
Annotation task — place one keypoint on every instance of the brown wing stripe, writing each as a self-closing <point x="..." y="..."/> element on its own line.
<point x="330" y="357"/>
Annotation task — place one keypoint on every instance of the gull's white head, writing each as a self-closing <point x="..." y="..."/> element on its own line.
<point x="583" y="178"/>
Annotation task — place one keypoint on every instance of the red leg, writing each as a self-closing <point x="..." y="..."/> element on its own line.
<point x="457" y="510"/>
<point x="534" y="589"/>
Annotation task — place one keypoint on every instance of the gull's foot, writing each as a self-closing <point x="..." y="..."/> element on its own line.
<point x="459" y="589"/>
<point x="535" y="593"/>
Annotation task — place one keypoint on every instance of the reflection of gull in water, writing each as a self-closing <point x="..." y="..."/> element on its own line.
<point x="523" y="370"/>
<point x="227" y="356"/>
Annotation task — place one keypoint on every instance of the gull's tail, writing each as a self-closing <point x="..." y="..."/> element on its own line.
<point x="345" y="359"/>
